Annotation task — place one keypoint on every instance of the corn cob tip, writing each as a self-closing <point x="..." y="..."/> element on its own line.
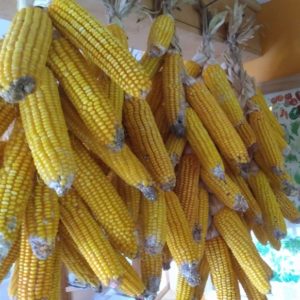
<point x="218" y="172"/>
<point x="258" y="219"/>
<point x="148" y="296"/>
<point x="166" y="265"/>
<point x="157" y="50"/>
<point x="168" y="186"/>
<point x="174" y="159"/>
<point x="114" y="283"/>
<point x="190" y="272"/>
<point x="40" y="247"/>
<point x="197" y="232"/>
<point x="152" y="246"/>
<point x="240" y="203"/>
<point x="62" y="185"/>
<point x="277" y="170"/>
<point x="278" y="234"/>
<point x="153" y="284"/>
<point x="149" y="192"/>
<point x="4" y="247"/>
<point x="118" y="143"/>
<point x="188" y="80"/>
<point x="18" y="89"/>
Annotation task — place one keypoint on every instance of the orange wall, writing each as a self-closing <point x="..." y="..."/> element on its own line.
<point x="280" y="38"/>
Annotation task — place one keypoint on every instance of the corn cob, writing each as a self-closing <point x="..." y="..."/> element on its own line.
<point x="183" y="289"/>
<point x="151" y="64"/>
<point x="287" y="207"/>
<point x="253" y="213"/>
<point x="248" y="137"/>
<point x="203" y="146"/>
<point x="130" y="283"/>
<point x="173" y="93"/>
<point x="131" y="197"/>
<point x="260" y="233"/>
<point x="203" y="217"/>
<point x="216" y="80"/>
<point x="10" y="259"/>
<point x="104" y="202"/>
<point x="166" y="258"/>
<point x="161" y="34"/>
<point x="186" y="189"/>
<point x="15" y="187"/>
<point x="160" y="120"/>
<point x="107" y="53"/>
<point x="124" y="163"/>
<point x="154" y="224"/>
<point x="218" y="257"/>
<point x="180" y="240"/>
<point x="7" y="115"/>
<point x="73" y="259"/>
<point x="259" y="100"/>
<point x="268" y="146"/>
<point x="24" y="53"/>
<point x="90" y="239"/>
<point x="147" y="142"/>
<point x="192" y="68"/>
<point x="266" y="199"/>
<point x="151" y="269"/>
<point x="12" y="289"/>
<point x="175" y="147"/>
<point x="46" y="134"/>
<point x="250" y="290"/>
<point x="226" y="191"/>
<point x="35" y="278"/>
<point x="217" y="123"/>
<point x="155" y="96"/>
<point x="42" y="218"/>
<point x="239" y="241"/>
<point x="203" y="272"/>
<point x="92" y="105"/>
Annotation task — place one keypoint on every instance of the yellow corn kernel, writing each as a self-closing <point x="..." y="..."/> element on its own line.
<point x="192" y="68"/>
<point x="74" y="260"/>
<point x="221" y="270"/>
<point x="287" y="206"/>
<point x="47" y="136"/>
<point x="260" y="233"/>
<point x="253" y="213"/>
<point x="226" y="191"/>
<point x="203" y="273"/>
<point x="248" y="136"/>
<point x="203" y="146"/>
<point x="173" y="92"/>
<point x="2" y="147"/>
<point x="154" y="224"/>
<point x="147" y="142"/>
<point x="24" y="53"/>
<point x="155" y="96"/>
<point x="250" y="290"/>
<point x="10" y="259"/>
<point x="132" y="198"/>
<point x="161" y="34"/>
<point x="180" y="240"/>
<point x="130" y="283"/>
<point x="35" y="278"/>
<point x="260" y="100"/>
<point x="203" y="217"/>
<point x="90" y="239"/>
<point x="57" y="273"/>
<point x="217" y="123"/>
<point x="272" y="215"/>
<point x="17" y="177"/>
<point x="119" y="33"/>
<point x="151" y="64"/>
<point x="88" y="34"/>
<point x="83" y="90"/>
<point x="160" y="119"/>
<point x="104" y="202"/>
<point x="183" y="289"/>
<point x="12" y="289"/>
<point x="124" y="163"/>
<point x="151" y="271"/>
<point x="175" y="147"/>
<point x="7" y="114"/>
<point x="216" y="80"/>
<point x="239" y="241"/>
<point x="186" y="189"/>
<point x="268" y="146"/>
<point x="166" y="258"/>
<point x="42" y="218"/>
